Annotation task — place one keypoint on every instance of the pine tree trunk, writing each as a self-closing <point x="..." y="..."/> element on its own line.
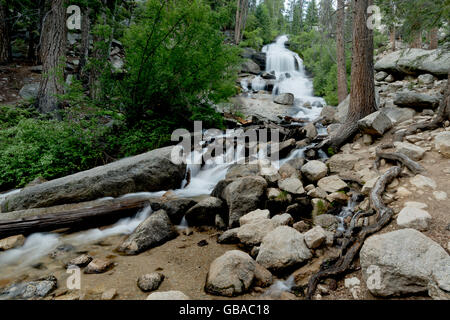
<point x="237" y="28"/>
<point x="433" y="35"/>
<point x="392" y="38"/>
<point x="341" y="67"/>
<point x="244" y="18"/>
<point x="84" y="49"/>
<point x="362" y="92"/>
<point x="53" y="47"/>
<point x="417" y="40"/>
<point x="5" y="42"/>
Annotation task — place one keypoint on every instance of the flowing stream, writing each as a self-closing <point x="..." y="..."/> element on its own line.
<point x="290" y="78"/>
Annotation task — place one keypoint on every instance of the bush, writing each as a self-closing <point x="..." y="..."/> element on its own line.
<point x="45" y="148"/>
<point x="176" y="59"/>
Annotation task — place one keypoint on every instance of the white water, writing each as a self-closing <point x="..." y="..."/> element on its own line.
<point x="40" y="244"/>
<point x="346" y="212"/>
<point x="280" y="286"/>
<point x="291" y="77"/>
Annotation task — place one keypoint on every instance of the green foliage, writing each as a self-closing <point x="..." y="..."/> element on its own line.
<point x="319" y="58"/>
<point x="252" y="39"/>
<point x="261" y="28"/>
<point x="36" y="147"/>
<point x="321" y="209"/>
<point x="283" y="195"/>
<point x="312" y="15"/>
<point x="176" y="59"/>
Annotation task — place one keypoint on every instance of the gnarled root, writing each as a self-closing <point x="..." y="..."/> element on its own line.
<point x="396" y="156"/>
<point x="353" y="243"/>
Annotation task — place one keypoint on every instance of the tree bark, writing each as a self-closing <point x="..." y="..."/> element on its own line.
<point x="392" y="37"/>
<point x="362" y="93"/>
<point x="237" y="27"/>
<point x="417" y="40"/>
<point x="433" y="35"/>
<point x="84" y="50"/>
<point x="5" y="41"/>
<point x="241" y="16"/>
<point x="340" y="42"/>
<point x="75" y="218"/>
<point x="53" y="49"/>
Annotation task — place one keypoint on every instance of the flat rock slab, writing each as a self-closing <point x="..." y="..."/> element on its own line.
<point x="151" y="171"/>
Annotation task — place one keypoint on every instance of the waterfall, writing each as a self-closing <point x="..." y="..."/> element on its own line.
<point x="291" y="78"/>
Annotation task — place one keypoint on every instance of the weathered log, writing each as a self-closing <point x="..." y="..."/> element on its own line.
<point x="353" y="243"/>
<point x="85" y="217"/>
<point x="396" y="156"/>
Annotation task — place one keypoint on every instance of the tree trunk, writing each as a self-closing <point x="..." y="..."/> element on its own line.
<point x="362" y="92"/>
<point x="433" y="35"/>
<point x="5" y="42"/>
<point x="340" y="42"/>
<point x="84" y="50"/>
<point x="417" y="40"/>
<point x="100" y="55"/>
<point x="237" y="27"/>
<point x="53" y="47"/>
<point x="244" y="18"/>
<point x="392" y="37"/>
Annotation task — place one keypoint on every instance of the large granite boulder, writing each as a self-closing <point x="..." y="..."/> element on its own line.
<point x="283" y="248"/>
<point x="249" y="66"/>
<point x="284" y="98"/>
<point x="233" y="273"/>
<point x="244" y="195"/>
<point x="204" y="212"/>
<point x="416" y="100"/>
<point x="376" y="123"/>
<point x="404" y="262"/>
<point x="416" y="61"/>
<point x="151" y="171"/>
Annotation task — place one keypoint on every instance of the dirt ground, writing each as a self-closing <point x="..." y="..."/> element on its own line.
<point x="12" y="78"/>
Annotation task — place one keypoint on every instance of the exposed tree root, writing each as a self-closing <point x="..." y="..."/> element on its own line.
<point x="396" y="156"/>
<point x="353" y="241"/>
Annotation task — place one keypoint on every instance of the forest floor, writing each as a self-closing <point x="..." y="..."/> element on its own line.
<point x="13" y="77"/>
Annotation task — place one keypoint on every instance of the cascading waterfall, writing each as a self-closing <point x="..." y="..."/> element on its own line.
<point x="291" y="78"/>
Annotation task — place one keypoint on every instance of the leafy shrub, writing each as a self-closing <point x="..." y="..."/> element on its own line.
<point x="45" y="148"/>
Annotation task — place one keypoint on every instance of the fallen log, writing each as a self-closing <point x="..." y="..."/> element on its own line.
<point x="353" y="241"/>
<point x="98" y="214"/>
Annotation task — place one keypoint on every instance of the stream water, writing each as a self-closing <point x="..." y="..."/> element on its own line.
<point x="290" y="78"/>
